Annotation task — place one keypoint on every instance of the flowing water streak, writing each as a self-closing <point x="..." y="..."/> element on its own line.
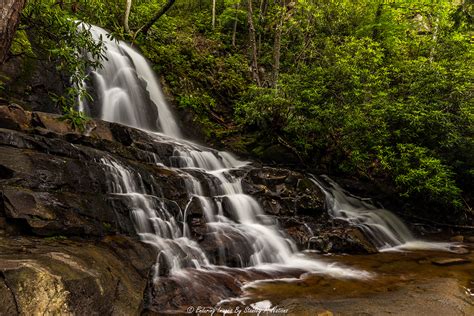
<point x="230" y="213"/>
<point x="383" y="228"/>
<point x="144" y="71"/>
<point x="239" y="222"/>
<point x="153" y="221"/>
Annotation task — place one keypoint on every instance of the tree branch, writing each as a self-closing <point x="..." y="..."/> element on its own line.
<point x="158" y="15"/>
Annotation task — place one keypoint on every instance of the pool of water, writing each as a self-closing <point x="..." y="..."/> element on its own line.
<point x="403" y="283"/>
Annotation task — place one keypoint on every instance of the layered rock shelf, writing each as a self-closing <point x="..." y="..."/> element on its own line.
<point x="69" y="245"/>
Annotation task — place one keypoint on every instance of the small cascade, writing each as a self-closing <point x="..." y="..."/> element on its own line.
<point x="154" y="223"/>
<point x="383" y="228"/>
<point x="231" y="213"/>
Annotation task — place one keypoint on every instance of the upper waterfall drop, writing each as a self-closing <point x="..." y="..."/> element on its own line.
<point x="127" y="89"/>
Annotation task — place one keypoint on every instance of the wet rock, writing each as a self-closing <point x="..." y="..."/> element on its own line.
<point x="458" y="238"/>
<point x="283" y="192"/>
<point x="300" y="234"/>
<point x="36" y="289"/>
<point x="310" y="205"/>
<point x="22" y="204"/>
<point x="342" y="240"/>
<point x="122" y="134"/>
<point x="13" y="117"/>
<point x="7" y="300"/>
<point x="54" y="184"/>
<point x="460" y="250"/>
<point x="276" y="206"/>
<point x="99" y="130"/>
<point x="228" y="248"/>
<point x="196" y="288"/>
<point x="51" y="123"/>
<point x="450" y="261"/>
<point x="62" y="277"/>
<point x="6" y="173"/>
<point x="45" y="213"/>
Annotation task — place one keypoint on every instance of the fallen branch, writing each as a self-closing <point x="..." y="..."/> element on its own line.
<point x="291" y="148"/>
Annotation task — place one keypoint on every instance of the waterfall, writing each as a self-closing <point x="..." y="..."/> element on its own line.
<point x="234" y="221"/>
<point x="127" y="89"/>
<point x="245" y="237"/>
<point x="154" y="223"/>
<point x="383" y="228"/>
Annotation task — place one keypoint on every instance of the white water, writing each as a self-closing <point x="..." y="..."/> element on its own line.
<point x="234" y="219"/>
<point x="383" y="228"/>
<point x="127" y="88"/>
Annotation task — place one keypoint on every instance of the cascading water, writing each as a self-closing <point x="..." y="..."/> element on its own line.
<point x="243" y="218"/>
<point x="153" y="221"/>
<point x="235" y="220"/>
<point x="127" y="89"/>
<point x="129" y="93"/>
<point x="383" y="228"/>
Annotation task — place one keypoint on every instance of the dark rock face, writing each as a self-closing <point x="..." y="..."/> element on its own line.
<point x="299" y="205"/>
<point x="342" y="240"/>
<point x="284" y="193"/>
<point x="32" y="82"/>
<point x="68" y="245"/>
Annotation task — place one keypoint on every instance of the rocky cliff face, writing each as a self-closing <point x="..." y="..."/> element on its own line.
<point x="69" y="246"/>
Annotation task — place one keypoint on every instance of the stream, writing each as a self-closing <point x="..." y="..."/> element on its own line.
<point x="407" y="283"/>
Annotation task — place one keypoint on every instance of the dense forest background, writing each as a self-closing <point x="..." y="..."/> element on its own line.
<point x="379" y="91"/>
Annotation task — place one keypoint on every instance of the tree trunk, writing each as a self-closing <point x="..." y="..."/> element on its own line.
<point x="434" y="38"/>
<point x="128" y="6"/>
<point x="158" y="15"/>
<point x="234" y="29"/>
<point x="213" y="14"/>
<point x="10" y="11"/>
<point x="253" y="43"/>
<point x="276" y="50"/>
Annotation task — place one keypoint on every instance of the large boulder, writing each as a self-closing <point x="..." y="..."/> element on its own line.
<point x="62" y="276"/>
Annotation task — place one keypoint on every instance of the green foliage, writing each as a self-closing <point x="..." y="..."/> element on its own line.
<point x="21" y="44"/>
<point x="76" y="119"/>
<point x="264" y="108"/>
<point x="417" y="173"/>
<point x="395" y="106"/>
